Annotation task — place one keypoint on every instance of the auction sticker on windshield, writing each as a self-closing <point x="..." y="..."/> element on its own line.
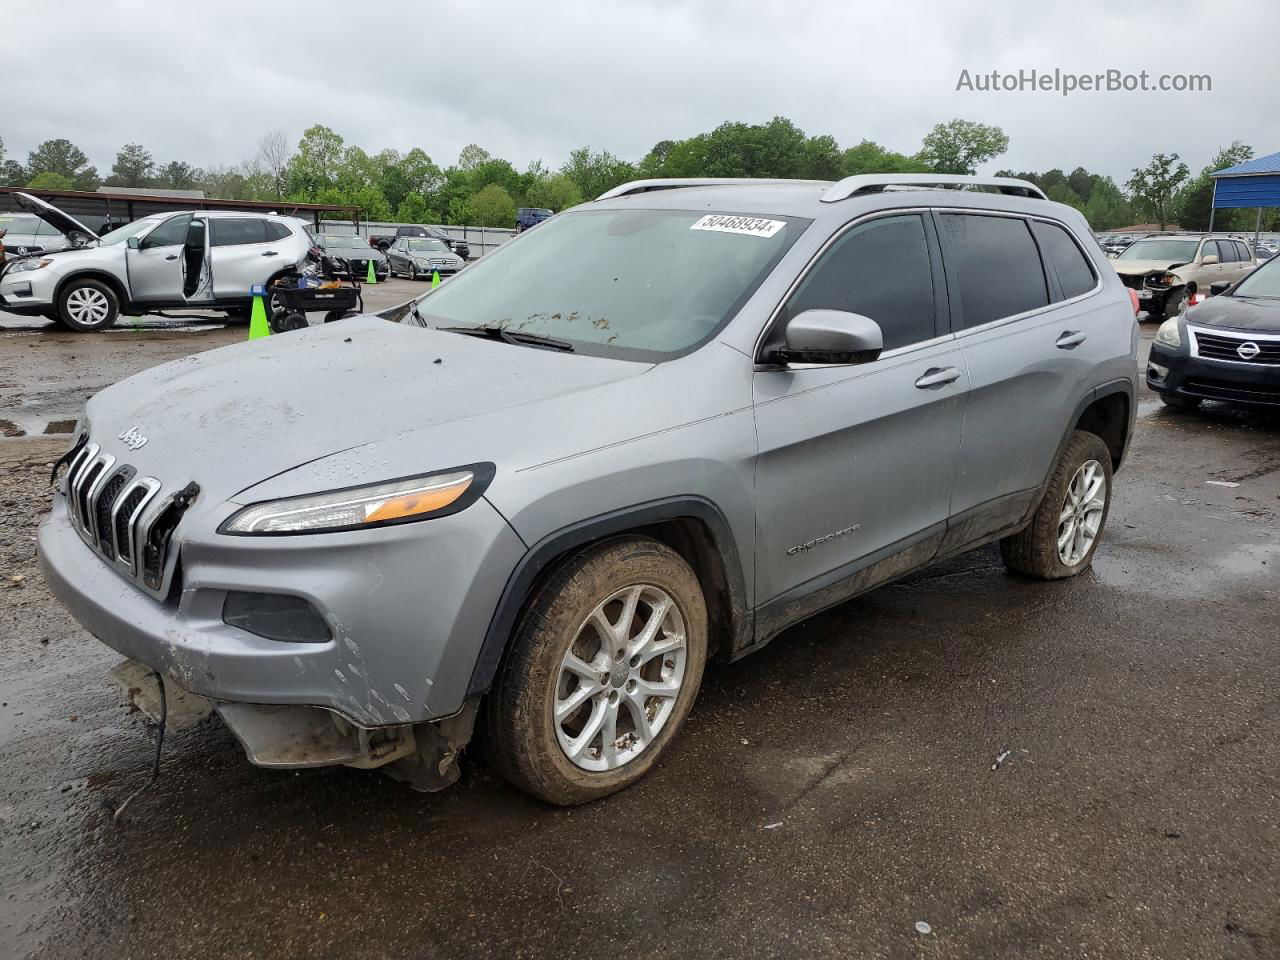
<point x="747" y="226"/>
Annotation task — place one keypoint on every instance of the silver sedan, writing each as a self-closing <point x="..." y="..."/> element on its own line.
<point x="420" y="257"/>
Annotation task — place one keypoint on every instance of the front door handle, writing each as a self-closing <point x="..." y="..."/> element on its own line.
<point x="172" y="256"/>
<point x="938" y="377"/>
<point x="271" y="253"/>
<point x="1071" y="338"/>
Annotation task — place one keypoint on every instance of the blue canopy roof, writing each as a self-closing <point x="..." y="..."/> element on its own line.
<point x="1254" y="183"/>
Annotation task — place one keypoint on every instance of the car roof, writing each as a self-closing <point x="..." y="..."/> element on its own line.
<point x="804" y="198"/>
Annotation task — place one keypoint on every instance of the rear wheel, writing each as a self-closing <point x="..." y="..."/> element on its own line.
<point x="1064" y="533"/>
<point x="603" y="669"/>
<point x="88" y="305"/>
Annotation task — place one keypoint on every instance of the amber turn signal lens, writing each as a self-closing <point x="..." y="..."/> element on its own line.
<point x="412" y="504"/>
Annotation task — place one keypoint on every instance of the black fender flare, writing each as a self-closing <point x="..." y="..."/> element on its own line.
<point x="543" y="553"/>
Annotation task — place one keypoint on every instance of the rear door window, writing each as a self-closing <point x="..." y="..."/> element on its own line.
<point x="994" y="267"/>
<point x="1064" y="257"/>
<point x="276" y="230"/>
<point x="880" y="269"/>
<point x="231" y="231"/>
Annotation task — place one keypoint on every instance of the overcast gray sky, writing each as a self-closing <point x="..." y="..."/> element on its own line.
<point x="533" y="80"/>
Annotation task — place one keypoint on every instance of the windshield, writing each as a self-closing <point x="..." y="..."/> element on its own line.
<point x="1263" y="282"/>
<point x="344" y="241"/>
<point x="19" y="223"/>
<point x="638" y="284"/>
<point x="129" y="230"/>
<point x="1180" y="251"/>
<point x="435" y="246"/>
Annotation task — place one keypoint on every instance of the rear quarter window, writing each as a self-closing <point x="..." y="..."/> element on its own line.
<point x="1064" y="257"/>
<point x="993" y="264"/>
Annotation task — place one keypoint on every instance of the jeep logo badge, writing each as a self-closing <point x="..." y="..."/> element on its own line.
<point x="133" y="439"/>
<point x="1248" y="350"/>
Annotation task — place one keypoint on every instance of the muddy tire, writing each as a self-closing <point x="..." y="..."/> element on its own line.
<point x="614" y="641"/>
<point x="87" y="306"/>
<point x="1067" y="527"/>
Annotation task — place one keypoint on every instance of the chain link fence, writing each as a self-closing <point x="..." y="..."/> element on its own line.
<point x="481" y="240"/>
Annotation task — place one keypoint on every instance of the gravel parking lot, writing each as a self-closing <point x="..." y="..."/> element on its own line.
<point x="1086" y="768"/>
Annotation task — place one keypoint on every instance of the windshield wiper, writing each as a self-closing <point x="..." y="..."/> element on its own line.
<point x="491" y="332"/>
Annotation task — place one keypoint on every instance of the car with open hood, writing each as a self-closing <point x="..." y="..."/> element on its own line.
<point x="196" y="259"/>
<point x="1167" y="270"/>
<point x="1225" y="348"/>
<point x="656" y="431"/>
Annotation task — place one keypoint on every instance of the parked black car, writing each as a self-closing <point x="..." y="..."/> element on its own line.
<point x="1225" y="348"/>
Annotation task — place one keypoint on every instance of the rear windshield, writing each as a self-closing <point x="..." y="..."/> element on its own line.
<point x="639" y="284"/>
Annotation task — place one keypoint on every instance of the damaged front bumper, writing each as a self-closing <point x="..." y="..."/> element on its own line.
<point x="292" y="737"/>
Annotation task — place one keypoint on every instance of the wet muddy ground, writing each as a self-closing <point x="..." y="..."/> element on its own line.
<point x="827" y="795"/>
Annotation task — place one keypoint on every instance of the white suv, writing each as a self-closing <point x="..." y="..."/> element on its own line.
<point x="206" y="259"/>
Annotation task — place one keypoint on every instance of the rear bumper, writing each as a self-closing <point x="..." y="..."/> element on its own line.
<point x="1177" y="373"/>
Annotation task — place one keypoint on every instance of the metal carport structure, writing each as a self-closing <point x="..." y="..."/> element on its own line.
<point x="93" y="209"/>
<point x="1253" y="184"/>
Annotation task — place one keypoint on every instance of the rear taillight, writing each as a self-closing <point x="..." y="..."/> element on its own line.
<point x="1133" y="299"/>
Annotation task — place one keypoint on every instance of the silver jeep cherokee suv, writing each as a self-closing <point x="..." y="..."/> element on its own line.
<point x="663" y="427"/>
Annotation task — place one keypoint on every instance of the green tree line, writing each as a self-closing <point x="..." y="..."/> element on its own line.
<point x="483" y="190"/>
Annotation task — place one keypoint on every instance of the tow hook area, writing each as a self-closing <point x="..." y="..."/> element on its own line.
<point x="293" y="737"/>
<point x="423" y="755"/>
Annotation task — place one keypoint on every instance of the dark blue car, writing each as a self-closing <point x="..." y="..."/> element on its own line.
<point x="527" y="217"/>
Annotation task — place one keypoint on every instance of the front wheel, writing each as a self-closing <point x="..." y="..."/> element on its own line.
<point x="413" y="271"/>
<point x="88" y="305"/>
<point x="1064" y="532"/>
<point x="603" y="669"/>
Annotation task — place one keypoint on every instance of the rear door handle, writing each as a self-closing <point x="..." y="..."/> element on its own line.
<point x="1071" y="338"/>
<point x="271" y="253"/>
<point x="938" y="377"/>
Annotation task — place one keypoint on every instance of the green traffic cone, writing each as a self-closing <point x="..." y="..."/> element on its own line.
<point x="258" y="326"/>
<point x="435" y="279"/>
<point x="372" y="277"/>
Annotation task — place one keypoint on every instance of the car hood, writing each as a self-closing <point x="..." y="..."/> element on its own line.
<point x="1130" y="268"/>
<point x="345" y="253"/>
<point x="52" y="215"/>
<point x="234" y="417"/>
<point x="1237" y="313"/>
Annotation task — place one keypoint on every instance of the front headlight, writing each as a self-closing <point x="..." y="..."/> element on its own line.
<point x="24" y="266"/>
<point x="357" y="508"/>
<point x="1169" y="335"/>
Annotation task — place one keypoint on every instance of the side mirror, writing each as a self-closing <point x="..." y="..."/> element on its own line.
<point x="828" y="336"/>
<point x="134" y="243"/>
<point x="1219" y="286"/>
<point x="1208" y="259"/>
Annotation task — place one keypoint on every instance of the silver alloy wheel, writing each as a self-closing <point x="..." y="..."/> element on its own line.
<point x="620" y="678"/>
<point x="88" y="306"/>
<point x="1081" y="512"/>
<point x="413" y="270"/>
